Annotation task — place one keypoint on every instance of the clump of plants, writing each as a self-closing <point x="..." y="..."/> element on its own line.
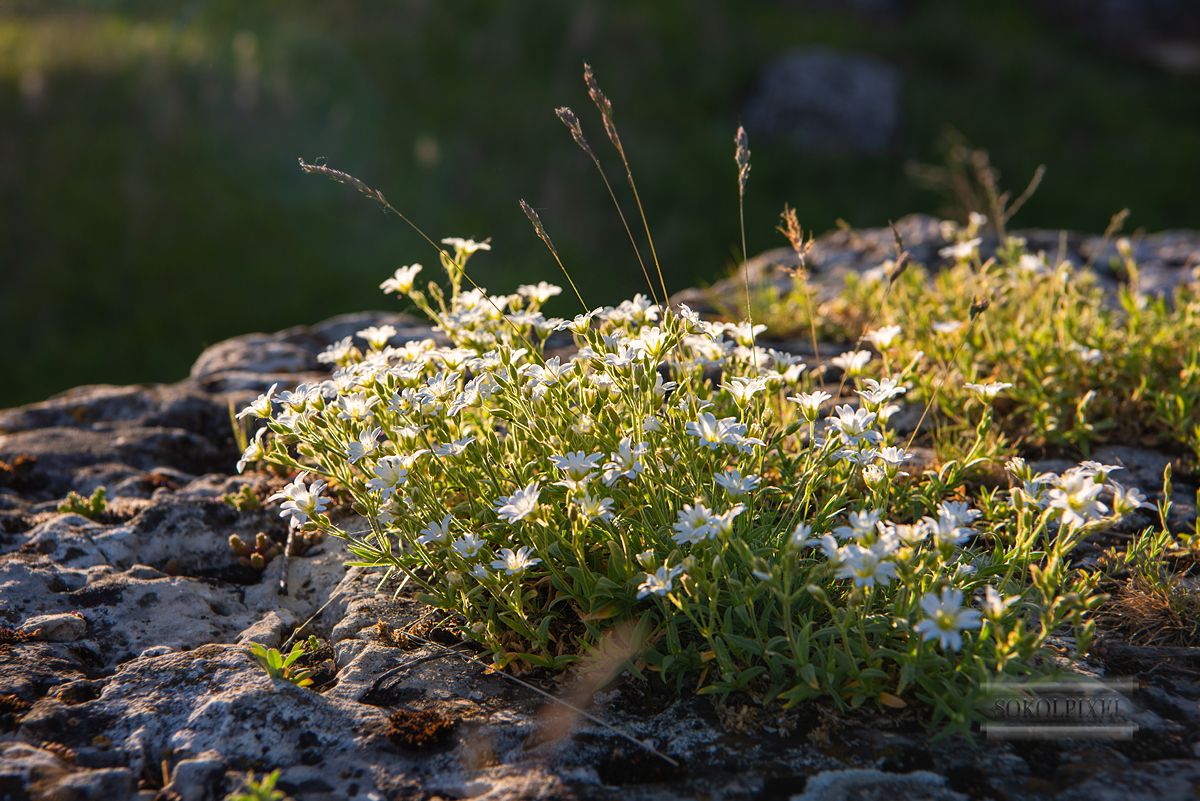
<point x="745" y="523"/>
<point x="282" y="666"/>
<point x="1082" y="366"/>
<point x="92" y="507"/>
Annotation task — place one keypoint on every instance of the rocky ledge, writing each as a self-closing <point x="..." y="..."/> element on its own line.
<point x="124" y="671"/>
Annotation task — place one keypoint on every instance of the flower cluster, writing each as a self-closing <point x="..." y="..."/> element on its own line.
<point x="761" y="523"/>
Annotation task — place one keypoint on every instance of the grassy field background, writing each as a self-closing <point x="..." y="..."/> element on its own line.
<point x="152" y="202"/>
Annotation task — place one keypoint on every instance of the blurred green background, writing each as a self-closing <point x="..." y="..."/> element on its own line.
<point x="153" y="205"/>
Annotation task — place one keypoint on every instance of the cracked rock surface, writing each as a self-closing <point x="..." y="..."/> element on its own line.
<point x="124" y="671"/>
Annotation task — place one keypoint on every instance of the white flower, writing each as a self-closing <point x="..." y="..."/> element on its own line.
<point x="520" y="504"/>
<point x="625" y="461"/>
<point x="810" y="403"/>
<point x="660" y="582"/>
<point x="852" y="362"/>
<point x="714" y="433"/>
<point x="893" y="456"/>
<point x="865" y="566"/>
<point x="468" y="545"/>
<point x="465" y="247"/>
<point x="1088" y="355"/>
<point x="945" y="619"/>
<point x="854" y="424"/>
<point x="743" y="333"/>
<point x="356" y="407"/>
<point x="990" y="390"/>
<point x="300" y="500"/>
<point x="1128" y="499"/>
<point x="961" y="251"/>
<point x="1098" y="469"/>
<point x="883" y="338"/>
<point x="390" y="472"/>
<point x="378" y="336"/>
<point x="734" y="483"/>
<point x="402" y="282"/>
<point x="723" y="523"/>
<point x="515" y="562"/>
<point x="261" y="407"/>
<point x="1077" y="498"/>
<point x="692" y="525"/>
<point x="947" y="326"/>
<point x="1033" y="264"/>
<point x="743" y="389"/>
<point x="453" y="448"/>
<point x="538" y="293"/>
<point x="879" y="392"/>
<point x="802" y="537"/>
<point x="363" y="446"/>
<point x="594" y="508"/>
<point x="435" y="532"/>
<point x="994" y="603"/>
<point x="254" y="450"/>
<point x="577" y="464"/>
<point x="860" y="525"/>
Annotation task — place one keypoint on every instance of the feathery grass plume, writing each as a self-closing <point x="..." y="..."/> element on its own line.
<point x="801" y="247"/>
<point x="569" y="119"/>
<point x="540" y="230"/>
<point x="444" y="255"/>
<point x="605" y="107"/>
<point x="741" y="157"/>
<point x="903" y="257"/>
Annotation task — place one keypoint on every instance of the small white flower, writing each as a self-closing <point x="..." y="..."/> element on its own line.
<point x="593" y="508"/>
<point x="538" y="293"/>
<point x="515" y="562"/>
<point x="261" y="407"/>
<point x="436" y="532"/>
<point x="994" y="604"/>
<point x="734" y="483"/>
<point x="1128" y="499"/>
<point x="520" y="504"/>
<point x="300" y="500"/>
<point x="714" y="433"/>
<point x="945" y="619"/>
<point x="990" y="390"/>
<point x="390" y="472"/>
<point x="743" y="389"/>
<point x="465" y="247"/>
<point x="378" y="336"/>
<point x="802" y="536"/>
<point x="865" y="566"/>
<point x="692" y="525"/>
<point x="743" y="333"/>
<point x="947" y="326"/>
<point x="402" y="281"/>
<point x="363" y="446"/>
<point x="577" y="464"/>
<point x="961" y="251"/>
<point x="852" y="362"/>
<point x="810" y="403"/>
<point x="660" y="582"/>
<point x="883" y="338"/>
<point x="854" y="424"/>
<point x="453" y="448"/>
<point x="880" y="392"/>
<point x="625" y="461"/>
<point x="468" y="545"/>
<point x="1076" y="497"/>
<point x="254" y="450"/>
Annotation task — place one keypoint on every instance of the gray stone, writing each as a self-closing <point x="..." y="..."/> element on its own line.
<point x="67" y="627"/>
<point x="875" y="785"/>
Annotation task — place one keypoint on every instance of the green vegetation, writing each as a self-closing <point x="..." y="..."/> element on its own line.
<point x="92" y="507"/>
<point x="255" y="789"/>
<point x="283" y="667"/>
<point x="155" y="206"/>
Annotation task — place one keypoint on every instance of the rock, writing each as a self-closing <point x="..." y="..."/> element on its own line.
<point x="67" y="627"/>
<point x="826" y="101"/>
<point x="198" y="778"/>
<point x="875" y="785"/>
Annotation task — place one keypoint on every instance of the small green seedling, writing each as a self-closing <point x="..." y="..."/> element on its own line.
<point x="91" y="507"/>
<point x="279" y="666"/>
<point x="244" y="500"/>
<point x="259" y="789"/>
